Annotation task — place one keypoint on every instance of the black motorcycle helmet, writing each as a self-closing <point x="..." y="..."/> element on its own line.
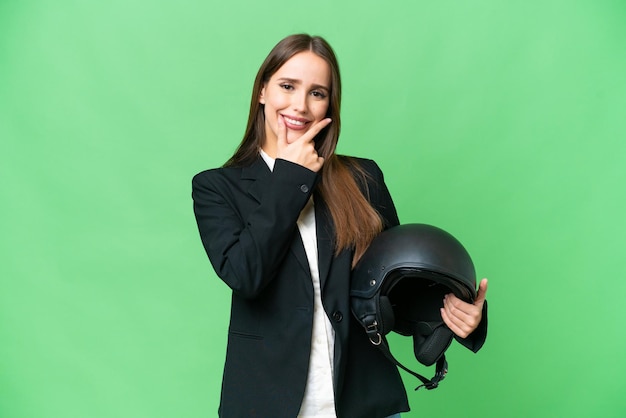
<point x="399" y="285"/>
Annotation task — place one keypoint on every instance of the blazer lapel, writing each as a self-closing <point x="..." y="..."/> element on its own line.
<point x="325" y="238"/>
<point x="257" y="172"/>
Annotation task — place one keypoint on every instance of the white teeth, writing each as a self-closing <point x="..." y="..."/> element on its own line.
<point x="293" y="121"/>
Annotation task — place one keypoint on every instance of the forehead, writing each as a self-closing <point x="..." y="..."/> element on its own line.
<point x="306" y="67"/>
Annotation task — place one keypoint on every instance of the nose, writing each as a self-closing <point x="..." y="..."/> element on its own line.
<point x="300" y="102"/>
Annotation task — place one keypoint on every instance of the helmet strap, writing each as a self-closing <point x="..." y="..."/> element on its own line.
<point x="440" y="370"/>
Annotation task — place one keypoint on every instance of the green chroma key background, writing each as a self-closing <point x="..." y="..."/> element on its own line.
<point x="501" y="122"/>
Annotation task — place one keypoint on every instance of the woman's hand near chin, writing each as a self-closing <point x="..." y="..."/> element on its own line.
<point x="301" y="151"/>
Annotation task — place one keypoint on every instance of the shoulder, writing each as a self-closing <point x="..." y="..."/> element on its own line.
<point x="215" y="176"/>
<point x="351" y="159"/>
<point x="213" y="173"/>
<point x="256" y="169"/>
<point x="222" y="181"/>
<point x="364" y="168"/>
<point x="371" y="181"/>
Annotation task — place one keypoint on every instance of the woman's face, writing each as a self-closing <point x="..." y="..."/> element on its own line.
<point x="300" y="92"/>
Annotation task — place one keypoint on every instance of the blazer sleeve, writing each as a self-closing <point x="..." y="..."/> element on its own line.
<point x="246" y="235"/>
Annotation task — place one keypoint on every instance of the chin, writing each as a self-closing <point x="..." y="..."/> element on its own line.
<point x="292" y="138"/>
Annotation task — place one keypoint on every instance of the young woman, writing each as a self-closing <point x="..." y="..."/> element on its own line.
<point x="283" y="223"/>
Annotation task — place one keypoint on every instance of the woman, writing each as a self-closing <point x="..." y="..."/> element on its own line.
<point x="283" y="222"/>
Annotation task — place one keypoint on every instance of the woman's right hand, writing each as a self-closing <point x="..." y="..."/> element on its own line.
<point x="301" y="151"/>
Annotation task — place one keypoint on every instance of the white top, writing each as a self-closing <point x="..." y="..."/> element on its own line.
<point x="319" y="399"/>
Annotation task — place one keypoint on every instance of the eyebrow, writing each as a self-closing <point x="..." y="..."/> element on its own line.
<point x="296" y="81"/>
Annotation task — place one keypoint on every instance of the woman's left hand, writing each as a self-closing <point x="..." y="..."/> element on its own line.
<point x="461" y="317"/>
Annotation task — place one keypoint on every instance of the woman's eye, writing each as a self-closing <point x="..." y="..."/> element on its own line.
<point x="286" y="86"/>
<point x="318" y="94"/>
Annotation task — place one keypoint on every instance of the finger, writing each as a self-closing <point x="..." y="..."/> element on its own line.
<point x="314" y="130"/>
<point x="453" y="324"/>
<point x="465" y="315"/>
<point x="457" y="306"/>
<point x="316" y="165"/>
<point x="458" y="309"/>
<point x="461" y="323"/>
<point x="282" y="132"/>
<point x="482" y="293"/>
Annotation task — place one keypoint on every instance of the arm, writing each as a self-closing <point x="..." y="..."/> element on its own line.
<point x="247" y="240"/>
<point x="246" y="243"/>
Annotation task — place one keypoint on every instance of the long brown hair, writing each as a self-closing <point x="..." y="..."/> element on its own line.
<point x="356" y="222"/>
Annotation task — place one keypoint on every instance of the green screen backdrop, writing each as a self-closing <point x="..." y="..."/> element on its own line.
<point x="500" y="121"/>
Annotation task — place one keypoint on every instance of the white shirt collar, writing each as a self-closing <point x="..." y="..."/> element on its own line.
<point x="268" y="160"/>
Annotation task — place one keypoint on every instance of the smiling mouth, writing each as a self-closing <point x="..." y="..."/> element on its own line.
<point x="295" y="122"/>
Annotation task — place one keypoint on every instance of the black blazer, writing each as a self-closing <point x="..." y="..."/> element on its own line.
<point x="247" y="221"/>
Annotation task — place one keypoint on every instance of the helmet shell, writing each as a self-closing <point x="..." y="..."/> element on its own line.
<point x="417" y="250"/>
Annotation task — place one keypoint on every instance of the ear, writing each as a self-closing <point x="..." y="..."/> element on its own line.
<point x="262" y="96"/>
